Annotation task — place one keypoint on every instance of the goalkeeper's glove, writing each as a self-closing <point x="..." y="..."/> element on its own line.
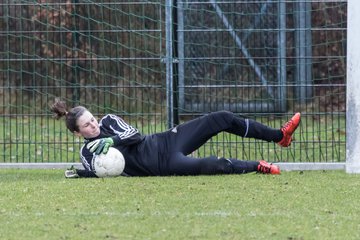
<point x="101" y="145"/>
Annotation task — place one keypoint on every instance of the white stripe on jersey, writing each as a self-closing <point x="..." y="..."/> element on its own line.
<point x="83" y="160"/>
<point x="247" y="127"/>
<point x="128" y="129"/>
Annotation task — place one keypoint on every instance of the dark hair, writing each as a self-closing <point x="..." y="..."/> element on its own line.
<point x="60" y="109"/>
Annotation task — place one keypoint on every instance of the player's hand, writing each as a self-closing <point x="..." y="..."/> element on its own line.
<point x="100" y="145"/>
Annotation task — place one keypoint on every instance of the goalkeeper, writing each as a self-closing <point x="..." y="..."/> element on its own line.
<point x="167" y="153"/>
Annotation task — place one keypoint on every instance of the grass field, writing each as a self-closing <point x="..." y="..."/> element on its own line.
<point x="42" y="204"/>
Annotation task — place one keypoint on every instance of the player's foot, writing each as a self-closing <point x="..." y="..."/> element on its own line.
<point x="71" y="173"/>
<point x="267" y="168"/>
<point x="288" y="129"/>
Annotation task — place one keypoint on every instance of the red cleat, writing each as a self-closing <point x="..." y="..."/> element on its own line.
<point x="288" y="129"/>
<point x="267" y="168"/>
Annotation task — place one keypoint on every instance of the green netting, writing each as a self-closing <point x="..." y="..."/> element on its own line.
<point x="243" y="56"/>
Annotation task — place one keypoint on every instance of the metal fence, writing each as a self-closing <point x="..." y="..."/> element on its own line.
<point x="159" y="63"/>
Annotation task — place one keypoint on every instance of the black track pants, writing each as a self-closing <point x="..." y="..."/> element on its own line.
<point x="188" y="137"/>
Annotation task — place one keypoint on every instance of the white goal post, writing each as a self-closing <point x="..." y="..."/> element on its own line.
<point x="353" y="88"/>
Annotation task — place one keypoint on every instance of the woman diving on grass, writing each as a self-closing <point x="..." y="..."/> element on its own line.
<point x="167" y="153"/>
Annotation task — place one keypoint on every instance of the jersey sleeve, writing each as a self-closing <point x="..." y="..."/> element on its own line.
<point x="86" y="158"/>
<point x="121" y="132"/>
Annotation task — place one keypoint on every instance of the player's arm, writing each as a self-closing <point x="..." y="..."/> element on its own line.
<point x="122" y="134"/>
<point x="79" y="173"/>
<point x="86" y="158"/>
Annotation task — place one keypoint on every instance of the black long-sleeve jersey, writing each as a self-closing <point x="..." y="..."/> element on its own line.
<point x="140" y="152"/>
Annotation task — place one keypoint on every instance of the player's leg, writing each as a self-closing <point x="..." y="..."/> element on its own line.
<point x="185" y="165"/>
<point x="282" y="136"/>
<point x="193" y="134"/>
<point x="258" y="130"/>
<point x="180" y="164"/>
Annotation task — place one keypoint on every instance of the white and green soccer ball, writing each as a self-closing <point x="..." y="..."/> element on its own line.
<point x="111" y="164"/>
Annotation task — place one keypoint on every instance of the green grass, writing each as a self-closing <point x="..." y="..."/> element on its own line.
<point x="42" y="204"/>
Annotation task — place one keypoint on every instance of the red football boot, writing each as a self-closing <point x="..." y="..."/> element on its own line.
<point x="288" y="129"/>
<point x="267" y="168"/>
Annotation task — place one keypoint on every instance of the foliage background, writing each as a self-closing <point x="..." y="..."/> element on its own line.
<point x="56" y="48"/>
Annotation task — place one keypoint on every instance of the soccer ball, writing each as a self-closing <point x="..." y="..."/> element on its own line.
<point x="111" y="164"/>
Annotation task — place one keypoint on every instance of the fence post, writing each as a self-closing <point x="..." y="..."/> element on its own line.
<point x="170" y="101"/>
<point x="181" y="54"/>
<point x="303" y="76"/>
<point x="281" y="69"/>
<point x="353" y="88"/>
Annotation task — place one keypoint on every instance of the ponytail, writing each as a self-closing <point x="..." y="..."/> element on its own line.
<point x="60" y="110"/>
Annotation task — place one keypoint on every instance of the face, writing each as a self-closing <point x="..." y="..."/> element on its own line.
<point x="88" y="126"/>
